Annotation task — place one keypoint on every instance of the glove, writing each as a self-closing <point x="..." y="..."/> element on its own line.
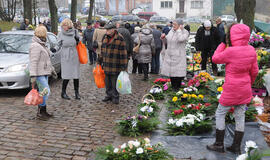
<point x="33" y="80"/>
<point x="54" y="75"/>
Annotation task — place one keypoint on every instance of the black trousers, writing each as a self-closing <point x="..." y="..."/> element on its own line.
<point x="92" y="56"/>
<point x="145" y="68"/>
<point x="136" y="66"/>
<point x="176" y="82"/>
<point x="205" y="55"/>
<point x="110" y="83"/>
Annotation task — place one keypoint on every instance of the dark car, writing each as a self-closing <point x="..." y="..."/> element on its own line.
<point x="117" y="18"/>
<point x="102" y="11"/>
<point x="158" y="19"/>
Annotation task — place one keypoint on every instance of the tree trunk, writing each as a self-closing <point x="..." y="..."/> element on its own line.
<point x="73" y="10"/>
<point x="27" y="5"/>
<point x="91" y="7"/>
<point x="34" y="10"/>
<point x="54" y="16"/>
<point x="245" y="10"/>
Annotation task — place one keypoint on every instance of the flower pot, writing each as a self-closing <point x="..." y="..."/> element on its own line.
<point x="259" y="92"/>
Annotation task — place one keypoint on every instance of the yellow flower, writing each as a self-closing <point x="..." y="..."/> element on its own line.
<point x="258" y="58"/>
<point x="211" y="78"/>
<point x="185" y="95"/>
<point x="193" y="96"/>
<point x="220" y="89"/>
<point x="174" y="99"/>
<point x="264" y="53"/>
<point x="201" y="96"/>
<point x="262" y="34"/>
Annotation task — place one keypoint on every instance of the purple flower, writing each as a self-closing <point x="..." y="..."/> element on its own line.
<point x="140" y="117"/>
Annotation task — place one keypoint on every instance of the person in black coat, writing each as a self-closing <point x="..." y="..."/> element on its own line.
<point x="207" y="39"/>
<point x="167" y="28"/>
<point x="88" y="41"/>
<point x="155" y="65"/>
<point x="129" y="28"/>
<point x="125" y="33"/>
<point x="221" y="30"/>
<point x="24" y="25"/>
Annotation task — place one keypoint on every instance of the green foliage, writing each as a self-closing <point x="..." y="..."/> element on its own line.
<point x="259" y="82"/>
<point x="130" y="152"/>
<point x="203" y="126"/>
<point x="7" y="26"/>
<point x="136" y="126"/>
<point x="158" y="96"/>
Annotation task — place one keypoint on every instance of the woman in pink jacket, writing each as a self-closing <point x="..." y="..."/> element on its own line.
<point x="241" y="71"/>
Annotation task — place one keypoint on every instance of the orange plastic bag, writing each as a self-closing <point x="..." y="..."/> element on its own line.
<point x="33" y="98"/>
<point x="82" y="52"/>
<point x="99" y="76"/>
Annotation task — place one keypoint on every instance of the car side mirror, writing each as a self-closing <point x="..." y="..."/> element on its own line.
<point x="53" y="50"/>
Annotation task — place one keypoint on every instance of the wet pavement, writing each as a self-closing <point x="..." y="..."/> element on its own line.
<point x="78" y="127"/>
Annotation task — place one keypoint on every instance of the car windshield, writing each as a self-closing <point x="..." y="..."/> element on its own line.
<point x="15" y="43"/>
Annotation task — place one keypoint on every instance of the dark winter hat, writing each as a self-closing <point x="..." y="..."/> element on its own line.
<point x="110" y="25"/>
<point x="89" y="22"/>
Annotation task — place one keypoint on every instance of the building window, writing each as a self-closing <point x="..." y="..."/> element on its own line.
<point x="166" y="4"/>
<point x="196" y="4"/>
<point x="182" y="6"/>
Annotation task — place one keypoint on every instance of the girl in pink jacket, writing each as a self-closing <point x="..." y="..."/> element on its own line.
<point x="241" y="71"/>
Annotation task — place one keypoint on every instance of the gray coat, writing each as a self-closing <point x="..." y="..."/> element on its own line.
<point x="70" y="65"/>
<point x="39" y="56"/>
<point x="174" y="63"/>
<point x="147" y="47"/>
<point x="133" y="37"/>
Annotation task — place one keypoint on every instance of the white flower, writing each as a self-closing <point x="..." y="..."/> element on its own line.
<point x="218" y="96"/>
<point x="189" y="106"/>
<point x="143" y="109"/>
<point x="179" y="123"/>
<point x="189" y="89"/>
<point x="130" y="144"/>
<point x="242" y="157"/>
<point x="159" y="143"/>
<point x="147" y="140"/>
<point x="200" y="116"/>
<point x="115" y="150"/>
<point x="136" y="143"/>
<point x="124" y="146"/>
<point x="190" y="121"/>
<point x="107" y="151"/>
<point x="179" y="93"/>
<point x="139" y="151"/>
<point x="250" y="145"/>
<point x="134" y="123"/>
<point x="171" y="121"/>
<point x="150" y="109"/>
<point x="148" y="145"/>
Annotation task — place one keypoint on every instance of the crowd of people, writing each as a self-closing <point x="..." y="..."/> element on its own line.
<point x="112" y="45"/>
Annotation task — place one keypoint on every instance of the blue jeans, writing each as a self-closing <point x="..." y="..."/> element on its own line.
<point x="42" y="82"/>
<point x="155" y="65"/>
<point x="92" y="56"/>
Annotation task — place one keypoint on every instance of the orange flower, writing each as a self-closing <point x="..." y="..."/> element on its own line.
<point x="124" y="151"/>
<point x="149" y="148"/>
<point x="156" y="151"/>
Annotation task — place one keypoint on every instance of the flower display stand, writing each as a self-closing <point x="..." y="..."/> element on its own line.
<point x="263" y="117"/>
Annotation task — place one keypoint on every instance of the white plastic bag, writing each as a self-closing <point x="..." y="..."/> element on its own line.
<point x="123" y="84"/>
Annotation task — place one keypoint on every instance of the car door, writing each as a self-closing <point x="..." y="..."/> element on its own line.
<point x="55" y="57"/>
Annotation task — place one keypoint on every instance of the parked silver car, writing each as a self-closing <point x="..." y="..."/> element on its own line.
<point x="14" y="58"/>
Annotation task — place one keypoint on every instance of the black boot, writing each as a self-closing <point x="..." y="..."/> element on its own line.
<point x="236" y="146"/>
<point x="76" y="88"/>
<point x="106" y="99"/>
<point x="218" y="146"/>
<point x="40" y="114"/>
<point x="64" y="87"/>
<point x="44" y="112"/>
<point x="145" y="71"/>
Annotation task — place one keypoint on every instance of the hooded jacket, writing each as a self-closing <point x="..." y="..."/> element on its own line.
<point x="147" y="47"/>
<point x="241" y="67"/>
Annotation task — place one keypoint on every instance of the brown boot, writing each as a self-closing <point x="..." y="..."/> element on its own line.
<point x="40" y="114"/>
<point x="236" y="146"/>
<point x="218" y="146"/>
<point x="45" y="113"/>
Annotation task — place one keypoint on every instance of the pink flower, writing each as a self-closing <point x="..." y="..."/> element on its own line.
<point x="165" y="87"/>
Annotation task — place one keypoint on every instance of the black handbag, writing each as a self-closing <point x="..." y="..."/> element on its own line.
<point x="95" y="45"/>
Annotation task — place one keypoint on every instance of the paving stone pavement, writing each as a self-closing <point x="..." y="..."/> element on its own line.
<point x="78" y="127"/>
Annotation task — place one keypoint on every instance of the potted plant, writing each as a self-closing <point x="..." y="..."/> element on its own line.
<point x="258" y="86"/>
